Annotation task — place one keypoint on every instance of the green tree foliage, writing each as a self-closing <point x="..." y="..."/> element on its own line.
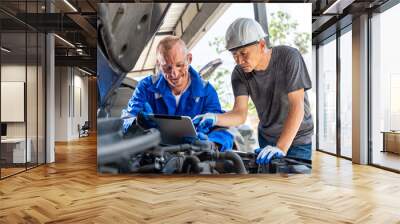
<point x="218" y="43"/>
<point x="282" y="31"/>
<point x="301" y="41"/>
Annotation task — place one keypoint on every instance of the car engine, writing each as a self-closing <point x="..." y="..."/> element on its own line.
<point x="140" y="151"/>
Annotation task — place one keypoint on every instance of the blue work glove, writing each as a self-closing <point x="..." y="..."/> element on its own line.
<point x="143" y="118"/>
<point x="127" y="124"/>
<point x="192" y="140"/>
<point x="205" y="122"/>
<point x="200" y="136"/>
<point x="223" y="138"/>
<point x="266" y="154"/>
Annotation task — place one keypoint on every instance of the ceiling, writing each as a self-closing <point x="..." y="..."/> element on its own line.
<point x="75" y="21"/>
<point x="147" y="59"/>
<point x="326" y="14"/>
<point x="187" y="20"/>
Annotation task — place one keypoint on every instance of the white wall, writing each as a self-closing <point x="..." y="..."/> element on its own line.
<point x="33" y="126"/>
<point x="80" y="104"/>
<point x="13" y="73"/>
<point x="70" y="83"/>
<point x="61" y="103"/>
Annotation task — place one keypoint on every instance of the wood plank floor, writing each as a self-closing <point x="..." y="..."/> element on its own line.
<point x="71" y="191"/>
<point x="10" y="171"/>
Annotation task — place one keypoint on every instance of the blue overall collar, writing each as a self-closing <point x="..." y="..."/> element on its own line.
<point x="197" y="85"/>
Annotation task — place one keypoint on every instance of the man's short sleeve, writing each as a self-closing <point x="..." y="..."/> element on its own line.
<point x="297" y="74"/>
<point x="239" y="85"/>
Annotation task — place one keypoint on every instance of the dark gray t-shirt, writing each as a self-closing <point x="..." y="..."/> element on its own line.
<point x="269" y="90"/>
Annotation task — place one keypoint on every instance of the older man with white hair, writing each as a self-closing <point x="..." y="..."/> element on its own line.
<point x="177" y="89"/>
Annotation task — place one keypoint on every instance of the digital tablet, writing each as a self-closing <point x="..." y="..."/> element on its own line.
<point x="174" y="128"/>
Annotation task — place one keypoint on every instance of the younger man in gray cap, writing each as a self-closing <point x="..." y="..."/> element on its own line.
<point x="276" y="80"/>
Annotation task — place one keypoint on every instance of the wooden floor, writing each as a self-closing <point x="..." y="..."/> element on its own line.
<point x="10" y="171"/>
<point x="71" y="191"/>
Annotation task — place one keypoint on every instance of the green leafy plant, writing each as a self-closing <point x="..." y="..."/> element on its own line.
<point x="282" y="31"/>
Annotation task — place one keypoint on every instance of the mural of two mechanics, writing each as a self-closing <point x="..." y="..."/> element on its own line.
<point x="167" y="105"/>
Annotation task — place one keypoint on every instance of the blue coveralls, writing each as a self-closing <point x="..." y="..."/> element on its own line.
<point x="199" y="98"/>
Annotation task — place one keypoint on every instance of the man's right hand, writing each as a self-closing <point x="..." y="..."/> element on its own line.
<point x="205" y="122"/>
<point x="127" y="123"/>
<point x="144" y="117"/>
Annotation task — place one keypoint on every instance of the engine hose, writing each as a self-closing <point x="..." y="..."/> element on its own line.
<point x="235" y="158"/>
<point x="191" y="164"/>
<point x="179" y="148"/>
<point x="149" y="168"/>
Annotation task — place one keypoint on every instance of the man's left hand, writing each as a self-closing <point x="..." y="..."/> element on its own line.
<point x="266" y="154"/>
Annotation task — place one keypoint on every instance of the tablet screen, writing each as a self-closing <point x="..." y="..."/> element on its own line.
<point x="174" y="128"/>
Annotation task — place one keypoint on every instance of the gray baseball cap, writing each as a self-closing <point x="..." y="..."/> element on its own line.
<point x="243" y="32"/>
